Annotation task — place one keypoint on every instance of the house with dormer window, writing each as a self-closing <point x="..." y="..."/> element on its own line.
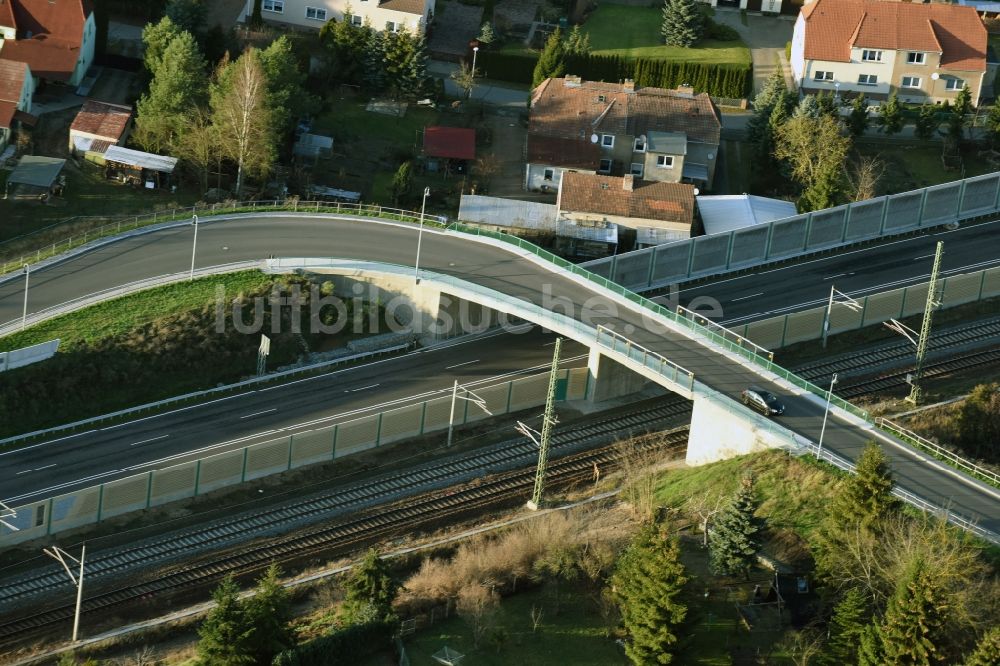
<point x="922" y="52"/>
<point x="609" y="129"/>
<point x="391" y="15"/>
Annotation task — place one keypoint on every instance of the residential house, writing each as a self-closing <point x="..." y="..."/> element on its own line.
<point x="626" y="201"/>
<point x="98" y="126"/>
<point x="16" y="89"/>
<point x="54" y="37"/>
<point x="652" y="134"/>
<point x="789" y="7"/>
<point x="922" y="52"/>
<point x="392" y="15"/>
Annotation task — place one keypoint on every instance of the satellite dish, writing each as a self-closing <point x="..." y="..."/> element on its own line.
<point x="594" y="138"/>
<point x="697" y="191"/>
<point x="935" y="76"/>
<point x="711" y="156"/>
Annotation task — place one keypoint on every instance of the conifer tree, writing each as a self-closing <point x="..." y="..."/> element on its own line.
<point x="808" y="106"/>
<point x="370" y="591"/>
<point x="857" y="121"/>
<point x="578" y="42"/>
<point x="987" y="652"/>
<point x="927" y="122"/>
<point x="850" y="616"/>
<point x="733" y="544"/>
<point x="179" y="84"/>
<point x="227" y="634"/>
<point x="912" y="630"/>
<point x="867" y="495"/>
<point x="647" y="585"/>
<point x="890" y="116"/>
<point x="683" y="24"/>
<point x="269" y="611"/>
<point x="552" y="62"/>
<point x="828" y="104"/>
<point x="760" y="131"/>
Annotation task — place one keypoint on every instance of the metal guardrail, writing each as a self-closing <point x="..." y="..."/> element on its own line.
<point x="724" y="332"/>
<point x="914" y="500"/>
<point x="131" y="223"/>
<point x="646" y="358"/>
<point x="939" y="452"/>
<point x="228" y="388"/>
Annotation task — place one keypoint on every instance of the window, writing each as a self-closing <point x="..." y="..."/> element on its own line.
<point x="356" y="20"/>
<point x="823" y="76"/>
<point x="548" y="174"/>
<point x="605" y="167"/>
<point x="315" y="13"/>
<point x="39" y="515"/>
<point x="871" y="56"/>
<point x="952" y="83"/>
<point x="277" y="6"/>
<point x="636" y="170"/>
<point x="393" y="26"/>
<point x="608" y="140"/>
<point x="665" y="161"/>
<point x="911" y="82"/>
<point x="602" y="98"/>
<point x="914" y="58"/>
<point x="867" y="79"/>
<point x="640" y="144"/>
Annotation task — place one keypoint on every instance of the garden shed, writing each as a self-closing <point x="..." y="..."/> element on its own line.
<point x="138" y="168"/>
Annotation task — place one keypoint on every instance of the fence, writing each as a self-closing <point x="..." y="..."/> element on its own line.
<point x="27" y="355"/>
<point x="802" y="234"/>
<point x="132" y="223"/>
<point x="807" y="325"/>
<point x="191" y="479"/>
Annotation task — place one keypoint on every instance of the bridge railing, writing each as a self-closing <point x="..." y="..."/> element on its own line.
<point x="939" y="452"/>
<point x="649" y="359"/>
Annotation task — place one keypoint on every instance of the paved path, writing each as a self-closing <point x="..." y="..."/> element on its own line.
<point x="485" y="91"/>
<point x="766" y="36"/>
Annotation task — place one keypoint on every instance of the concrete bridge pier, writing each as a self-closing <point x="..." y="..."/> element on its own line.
<point x="723" y="429"/>
<point x="610" y="379"/>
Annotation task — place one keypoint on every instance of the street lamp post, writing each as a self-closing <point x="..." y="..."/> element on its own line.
<point x="24" y="312"/>
<point x="475" y="400"/>
<point x="194" y="247"/>
<point x="60" y="555"/>
<point x="826" y="414"/>
<point x="420" y="236"/>
<point x="475" y="52"/>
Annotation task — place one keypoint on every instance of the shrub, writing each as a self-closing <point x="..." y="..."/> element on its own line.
<point x="345" y="646"/>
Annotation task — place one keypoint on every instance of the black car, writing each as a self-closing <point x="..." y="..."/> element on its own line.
<point x="763" y="401"/>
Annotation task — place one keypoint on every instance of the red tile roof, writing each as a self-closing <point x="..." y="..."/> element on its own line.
<point x="569" y="153"/>
<point x="456" y="143"/>
<point x="12" y="76"/>
<point x="7" y="19"/>
<point x="102" y="119"/>
<point x="7" y="110"/>
<point x="606" y="195"/>
<point x="405" y="6"/>
<point x="56" y="29"/>
<point x="576" y="109"/>
<point x="833" y="27"/>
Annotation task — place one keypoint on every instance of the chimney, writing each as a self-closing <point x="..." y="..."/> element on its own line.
<point x="685" y="89"/>
<point x="628" y="86"/>
<point x="572" y="81"/>
<point x="628" y="182"/>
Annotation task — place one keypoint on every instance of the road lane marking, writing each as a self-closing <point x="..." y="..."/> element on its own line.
<point x="266" y="411"/>
<point x="926" y="256"/>
<point x="459" y="365"/>
<point x="363" y="388"/>
<point x="147" y="441"/>
<point x="838" y="275"/>
<point x="743" y="298"/>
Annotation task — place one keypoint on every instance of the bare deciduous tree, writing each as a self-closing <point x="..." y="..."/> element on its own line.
<point x="465" y="77"/>
<point x="706" y="506"/>
<point x="864" y="177"/>
<point x="477" y="603"/>
<point x="536" y="617"/>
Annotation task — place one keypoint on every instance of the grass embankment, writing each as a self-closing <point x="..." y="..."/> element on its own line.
<point x="160" y="343"/>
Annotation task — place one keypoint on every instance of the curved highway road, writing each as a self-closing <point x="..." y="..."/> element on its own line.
<point x="503" y="270"/>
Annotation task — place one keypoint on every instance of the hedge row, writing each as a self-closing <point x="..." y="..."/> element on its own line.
<point x="717" y="80"/>
<point x="340" y="648"/>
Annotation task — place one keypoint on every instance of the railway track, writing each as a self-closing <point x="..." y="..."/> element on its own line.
<point x="359" y="519"/>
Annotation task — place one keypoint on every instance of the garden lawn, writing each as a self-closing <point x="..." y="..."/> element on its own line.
<point x="577" y="635"/>
<point x="634" y="32"/>
<point x="910" y="166"/>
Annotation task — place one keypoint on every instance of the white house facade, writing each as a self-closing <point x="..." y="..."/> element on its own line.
<point x="391" y="15"/>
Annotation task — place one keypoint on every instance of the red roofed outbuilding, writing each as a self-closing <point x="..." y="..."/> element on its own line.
<point x="99" y="124"/>
<point x="453" y="143"/>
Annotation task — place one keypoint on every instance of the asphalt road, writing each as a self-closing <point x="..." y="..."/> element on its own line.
<point x="250" y="238"/>
<point x="774" y="291"/>
<point x="104" y="454"/>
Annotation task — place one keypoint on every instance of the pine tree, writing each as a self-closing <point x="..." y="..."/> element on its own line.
<point x="808" y="106"/>
<point x="179" y="85"/>
<point x="828" y="104"/>
<point x="927" y="122"/>
<point x="912" y="630"/>
<point x="578" y="42"/>
<point x="963" y="101"/>
<point x="374" y="74"/>
<point x="890" y="116"/>
<point x="867" y="495"/>
<point x="227" y="634"/>
<point x="683" y="24"/>
<point x="156" y="37"/>
<point x="993" y="125"/>
<point x="850" y="616"/>
<point x="486" y="33"/>
<point x="647" y="584"/>
<point x="760" y="131"/>
<point x="188" y="15"/>
<point x="552" y="62"/>
<point x="987" y="652"/>
<point x="286" y="84"/>
<point x="370" y="591"/>
<point x="269" y="611"/>
<point x="857" y="121"/>
<point x="870" y="650"/>
<point x="733" y="544"/>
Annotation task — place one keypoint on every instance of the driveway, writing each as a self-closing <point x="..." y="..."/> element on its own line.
<point x="766" y="36"/>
